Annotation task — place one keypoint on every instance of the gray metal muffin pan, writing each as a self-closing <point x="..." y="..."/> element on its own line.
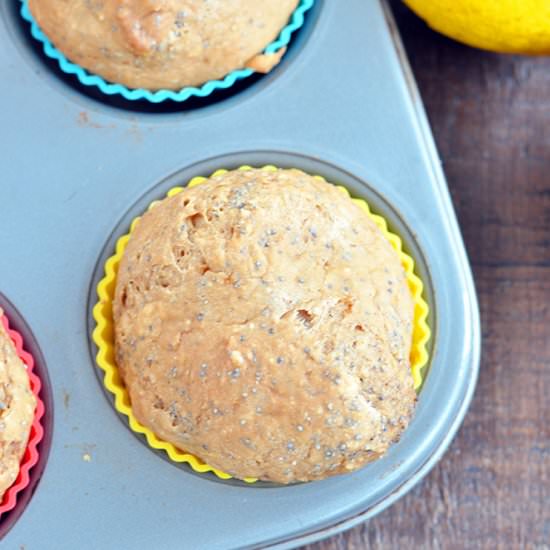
<point x="76" y="168"/>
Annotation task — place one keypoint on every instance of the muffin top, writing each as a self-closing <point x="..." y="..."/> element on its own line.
<point x="263" y="322"/>
<point x="17" y="404"/>
<point x="165" y="44"/>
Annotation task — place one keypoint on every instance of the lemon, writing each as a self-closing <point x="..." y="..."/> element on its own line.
<point x="511" y="26"/>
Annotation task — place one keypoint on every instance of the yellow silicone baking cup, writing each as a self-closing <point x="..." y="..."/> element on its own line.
<point x="103" y="334"/>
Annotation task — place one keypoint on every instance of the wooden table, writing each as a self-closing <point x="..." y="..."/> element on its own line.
<point x="491" y="118"/>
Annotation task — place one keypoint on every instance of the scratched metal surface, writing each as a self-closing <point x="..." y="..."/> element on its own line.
<point x="76" y="168"/>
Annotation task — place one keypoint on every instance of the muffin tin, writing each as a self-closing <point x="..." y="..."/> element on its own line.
<point x="78" y="166"/>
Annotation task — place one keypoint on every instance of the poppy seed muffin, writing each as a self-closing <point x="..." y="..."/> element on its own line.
<point x="263" y="322"/>
<point x="164" y="44"/>
<point x="17" y="404"/>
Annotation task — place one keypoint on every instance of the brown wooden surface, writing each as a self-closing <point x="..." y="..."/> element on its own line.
<point x="490" y="115"/>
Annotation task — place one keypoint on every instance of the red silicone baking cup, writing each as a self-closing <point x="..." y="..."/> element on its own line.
<point x="31" y="455"/>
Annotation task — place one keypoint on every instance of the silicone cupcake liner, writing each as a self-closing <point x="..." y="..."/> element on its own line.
<point x="31" y="455"/>
<point x="132" y="94"/>
<point x="103" y="334"/>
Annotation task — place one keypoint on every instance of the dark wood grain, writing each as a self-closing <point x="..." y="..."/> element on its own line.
<point x="491" y="118"/>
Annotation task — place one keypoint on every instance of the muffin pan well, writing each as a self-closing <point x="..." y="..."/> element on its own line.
<point x="41" y="56"/>
<point x="88" y="79"/>
<point x="103" y="284"/>
<point x="77" y="169"/>
<point x="33" y="462"/>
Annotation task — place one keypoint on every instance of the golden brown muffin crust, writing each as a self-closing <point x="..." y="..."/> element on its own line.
<point x="17" y="404"/>
<point x="168" y="44"/>
<point x="264" y="323"/>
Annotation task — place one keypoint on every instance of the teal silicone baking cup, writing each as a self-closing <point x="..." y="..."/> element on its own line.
<point x="134" y="94"/>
